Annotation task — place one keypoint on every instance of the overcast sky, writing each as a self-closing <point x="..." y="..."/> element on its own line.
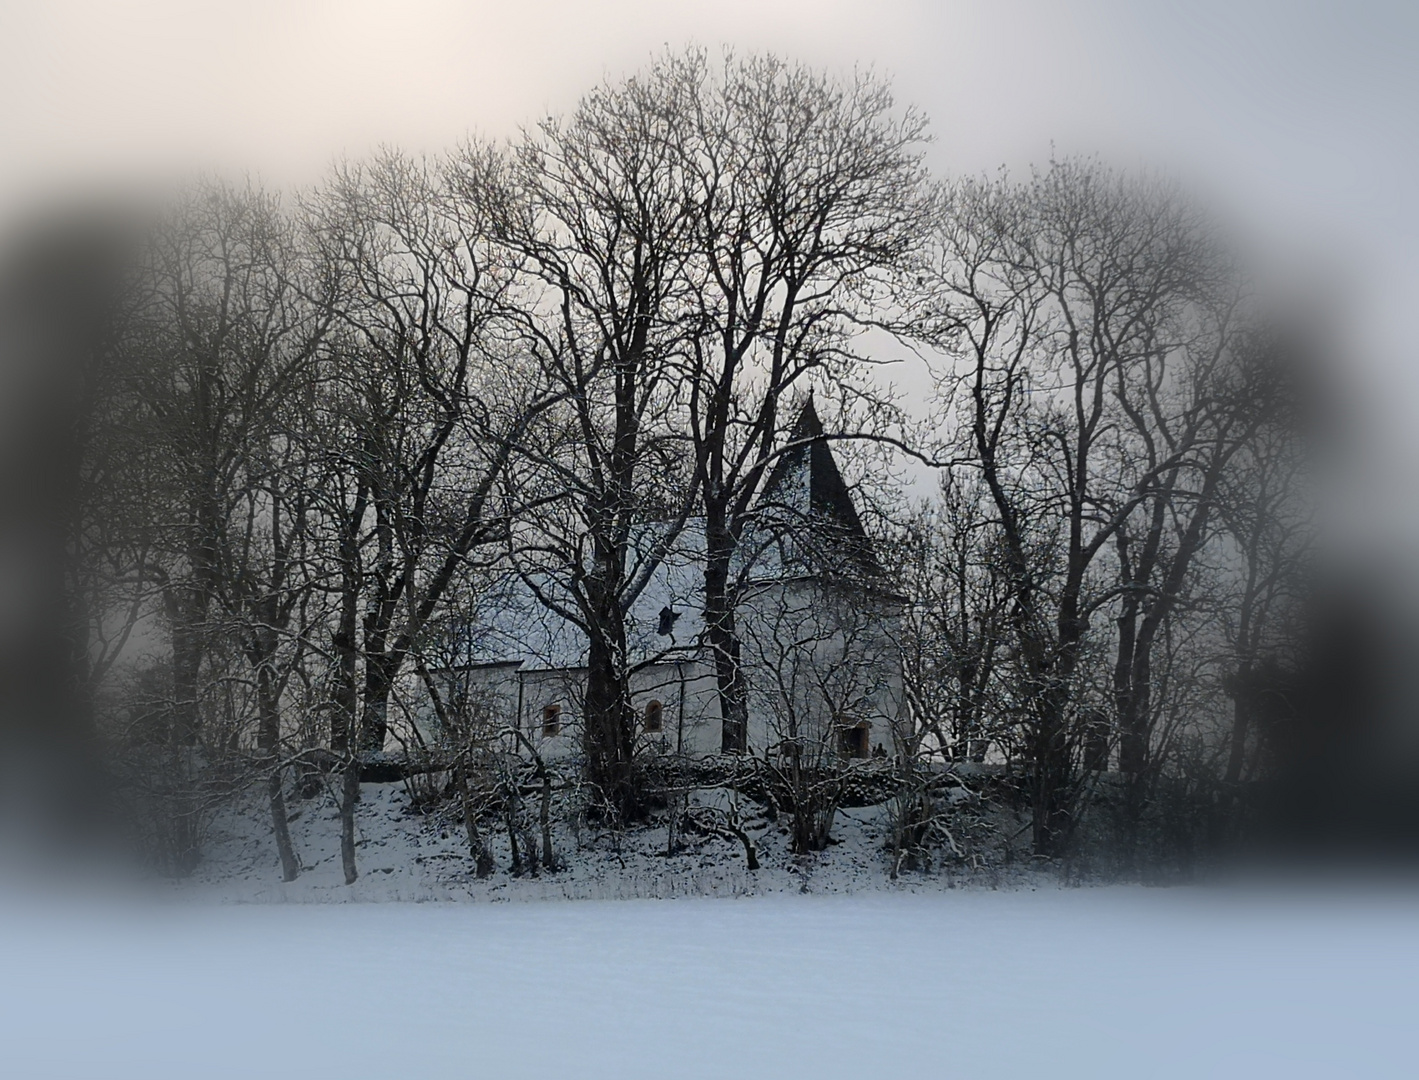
<point x="1301" y="117"/>
<point x="1306" y="105"/>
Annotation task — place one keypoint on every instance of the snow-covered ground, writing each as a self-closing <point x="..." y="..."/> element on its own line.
<point x="816" y="968"/>
<point x="404" y="856"/>
<point x="970" y="983"/>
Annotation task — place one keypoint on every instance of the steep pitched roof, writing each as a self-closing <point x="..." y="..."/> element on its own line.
<point x="665" y="620"/>
<point x="805" y="498"/>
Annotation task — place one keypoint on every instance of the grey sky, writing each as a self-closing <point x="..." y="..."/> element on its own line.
<point x="1299" y="116"/>
<point x="283" y="87"/>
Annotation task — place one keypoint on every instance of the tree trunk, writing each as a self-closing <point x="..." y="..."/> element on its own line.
<point x="610" y="721"/>
<point x="344" y="698"/>
<point x="544" y="818"/>
<point x="185" y="613"/>
<point x="482" y="863"/>
<point x="510" y="817"/>
<point x="269" y="741"/>
<point x="344" y="704"/>
<point x="1241" y="691"/>
<point x="1049" y="753"/>
<point x="380" y="669"/>
<point x="1135" y="728"/>
<point x="723" y="639"/>
<point x="349" y="799"/>
<point x="290" y="866"/>
<point x="1133" y="734"/>
<point x="1049" y="744"/>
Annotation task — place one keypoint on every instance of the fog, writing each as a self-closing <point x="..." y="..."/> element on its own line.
<point x="232" y="644"/>
<point x="1298" y="117"/>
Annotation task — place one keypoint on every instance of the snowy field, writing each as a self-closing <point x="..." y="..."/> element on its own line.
<point x="968" y="983"/>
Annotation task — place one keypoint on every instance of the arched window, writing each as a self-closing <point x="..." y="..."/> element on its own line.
<point x="654" y="717"/>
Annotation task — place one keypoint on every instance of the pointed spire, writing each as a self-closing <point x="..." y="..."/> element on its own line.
<point x="807" y="426"/>
<point x="807" y="482"/>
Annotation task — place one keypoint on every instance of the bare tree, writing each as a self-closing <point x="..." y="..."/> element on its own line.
<point x="431" y="402"/>
<point x="1265" y="559"/>
<point x="596" y="210"/>
<point x="949" y="569"/>
<point x="808" y="202"/>
<point x="1063" y="299"/>
<point x="215" y="357"/>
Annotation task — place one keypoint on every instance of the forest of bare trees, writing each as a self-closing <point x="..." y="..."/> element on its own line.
<point x="326" y="425"/>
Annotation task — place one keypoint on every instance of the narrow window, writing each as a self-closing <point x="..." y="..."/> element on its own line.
<point x="654" y="717"/>
<point x="853" y="738"/>
<point x="551" y="721"/>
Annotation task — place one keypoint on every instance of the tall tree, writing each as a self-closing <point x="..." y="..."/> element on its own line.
<point x="1059" y="298"/>
<point x="597" y="210"/>
<point x="212" y="366"/>
<point x="808" y="205"/>
<point x="428" y="401"/>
